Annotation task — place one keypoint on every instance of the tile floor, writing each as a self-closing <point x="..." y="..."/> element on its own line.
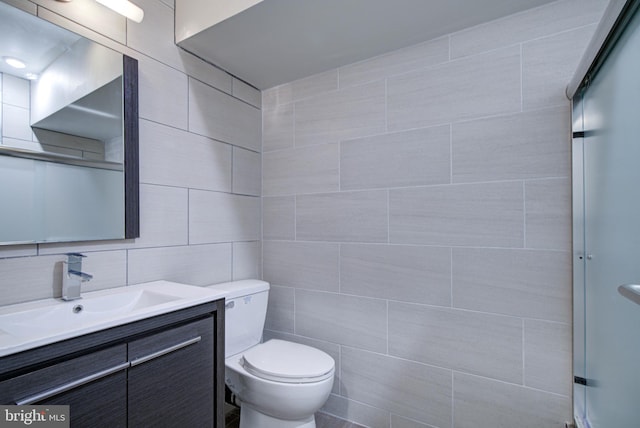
<point x="322" y="421"/>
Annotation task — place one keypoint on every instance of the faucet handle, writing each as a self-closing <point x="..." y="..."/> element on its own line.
<point x="82" y="276"/>
<point x="75" y="255"/>
<point x="73" y="277"/>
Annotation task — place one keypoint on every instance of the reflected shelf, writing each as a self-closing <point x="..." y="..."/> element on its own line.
<point x="59" y="158"/>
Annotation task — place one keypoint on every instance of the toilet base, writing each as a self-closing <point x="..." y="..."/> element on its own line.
<point x="251" y="418"/>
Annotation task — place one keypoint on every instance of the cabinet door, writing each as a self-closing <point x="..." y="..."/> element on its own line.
<point x="171" y="379"/>
<point x="93" y="385"/>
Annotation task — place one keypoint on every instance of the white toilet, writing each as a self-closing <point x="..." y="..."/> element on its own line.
<point x="279" y="384"/>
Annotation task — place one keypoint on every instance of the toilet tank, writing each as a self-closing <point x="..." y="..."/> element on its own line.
<point x="245" y="313"/>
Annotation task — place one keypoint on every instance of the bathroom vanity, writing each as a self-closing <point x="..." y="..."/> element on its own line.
<point x="164" y="369"/>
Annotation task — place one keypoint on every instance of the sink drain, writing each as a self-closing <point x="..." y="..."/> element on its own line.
<point x="77" y="309"/>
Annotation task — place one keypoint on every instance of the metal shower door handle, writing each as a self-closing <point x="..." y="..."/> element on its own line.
<point x="631" y="292"/>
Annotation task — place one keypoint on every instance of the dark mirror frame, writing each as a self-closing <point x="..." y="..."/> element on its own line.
<point x="131" y="149"/>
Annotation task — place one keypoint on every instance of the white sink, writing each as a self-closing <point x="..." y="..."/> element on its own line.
<point x="27" y="325"/>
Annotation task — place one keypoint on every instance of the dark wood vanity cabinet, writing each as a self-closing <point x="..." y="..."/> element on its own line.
<point x="165" y="371"/>
<point x="93" y="385"/>
<point x="171" y="377"/>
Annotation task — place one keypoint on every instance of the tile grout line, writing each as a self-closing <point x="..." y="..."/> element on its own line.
<point x="524" y="214"/>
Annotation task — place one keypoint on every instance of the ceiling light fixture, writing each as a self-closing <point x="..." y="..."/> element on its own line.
<point x="125" y="8"/>
<point x="14" y="62"/>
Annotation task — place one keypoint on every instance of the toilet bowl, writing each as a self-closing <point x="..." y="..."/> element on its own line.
<point x="278" y="384"/>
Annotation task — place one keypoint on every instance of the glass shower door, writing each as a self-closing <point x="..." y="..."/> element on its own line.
<point x="611" y="156"/>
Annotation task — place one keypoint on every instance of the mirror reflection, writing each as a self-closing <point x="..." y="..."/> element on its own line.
<point x="62" y="139"/>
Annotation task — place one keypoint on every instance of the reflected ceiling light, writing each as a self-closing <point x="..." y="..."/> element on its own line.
<point x="125" y="8"/>
<point x="14" y="62"/>
<point x="94" y="111"/>
<point x="31" y="76"/>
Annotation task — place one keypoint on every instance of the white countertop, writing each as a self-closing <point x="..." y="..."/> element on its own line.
<point x="28" y="325"/>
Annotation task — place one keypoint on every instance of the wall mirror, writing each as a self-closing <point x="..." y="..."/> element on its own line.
<point x="68" y="135"/>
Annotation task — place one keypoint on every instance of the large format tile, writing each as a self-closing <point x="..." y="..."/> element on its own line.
<point x="277" y="95"/>
<point x="340" y="115"/>
<point x="32" y="278"/>
<point x="109" y="270"/>
<point x="366" y="415"/>
<point x="325" y="420"/>
<point x="400" y="61"/>
<point x="518" y="146"/>
<point x="154" y="35"/>
<point x="18" y="251"/>
<point x="222" y="217"/>
<point x="205" y="72"/>
<point x="174" y="157"/>
<point x="277" y="127"/>
<point x="548" y="356"/>
<point x="28" y="7"/>
<point x="312" y="169"/>
<point x="246" y="93"/>
<point x="246" y="260"/>
<point x="42" y="274"/>
<point x="489" y="214"/>
<point x="279" y="217"/>
<point x="314" y="85"/>
<point x="163" y="93"/>
<point x="346" y="217"/>
<point x="91" y="15"/>
<point x="472" y="342"/>
<point x="220" y="116"/>
<point x="482" y="85"/>
<point x="524" y="283"/>
<point x="397" y="272"/>
<point x="346" y="320"/>
<point x="247" y="172"/>
<point x="407" y="388"/>
<point x="307" y="265"/>
<point x="195" y="264"/>
<point x="480" y="402"/>
<point x="401" y="422"/>
<point x="16" y="122"/>
<point x="307" y="87"/>
<point x="548" y="64"/>
<point x="280" y="309"/>
<point x="548" y="214"/>
<point x="532" y="24"/>
<point x="409" y="158"/>
<point x="15" y="91"/>
<point x="92" y="33"/>
<point x="164" y="218"/>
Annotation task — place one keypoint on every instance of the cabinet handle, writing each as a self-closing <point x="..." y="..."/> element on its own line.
<point x="71" y="385"/>
<point x="165" y="351"/>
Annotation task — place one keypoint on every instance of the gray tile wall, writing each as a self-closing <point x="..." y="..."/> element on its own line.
<point x="200" y="166"/>
<point x="417" y="224"/>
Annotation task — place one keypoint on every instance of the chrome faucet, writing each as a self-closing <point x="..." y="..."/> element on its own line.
<point x="73" y="277"/>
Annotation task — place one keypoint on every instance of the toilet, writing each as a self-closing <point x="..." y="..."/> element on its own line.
<point x="278" y="384"/>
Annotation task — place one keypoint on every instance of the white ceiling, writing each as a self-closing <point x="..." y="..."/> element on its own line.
<point x="278" y="41"/>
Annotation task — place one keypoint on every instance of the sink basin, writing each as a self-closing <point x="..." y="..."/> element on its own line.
<point x="87" y="310"/>
<point x="27" y="325"/>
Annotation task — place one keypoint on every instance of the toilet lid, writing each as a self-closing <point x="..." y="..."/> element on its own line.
<point x="289" y="362"/>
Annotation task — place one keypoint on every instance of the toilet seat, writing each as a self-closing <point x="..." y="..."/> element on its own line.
<point x="288" y="362"/>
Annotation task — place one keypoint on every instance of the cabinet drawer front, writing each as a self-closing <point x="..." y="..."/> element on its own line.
<point x="145" y="347"/>
<point x="174" y="388"/>
<point x="43" y="384"/>
<point x="99" y="404"/>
